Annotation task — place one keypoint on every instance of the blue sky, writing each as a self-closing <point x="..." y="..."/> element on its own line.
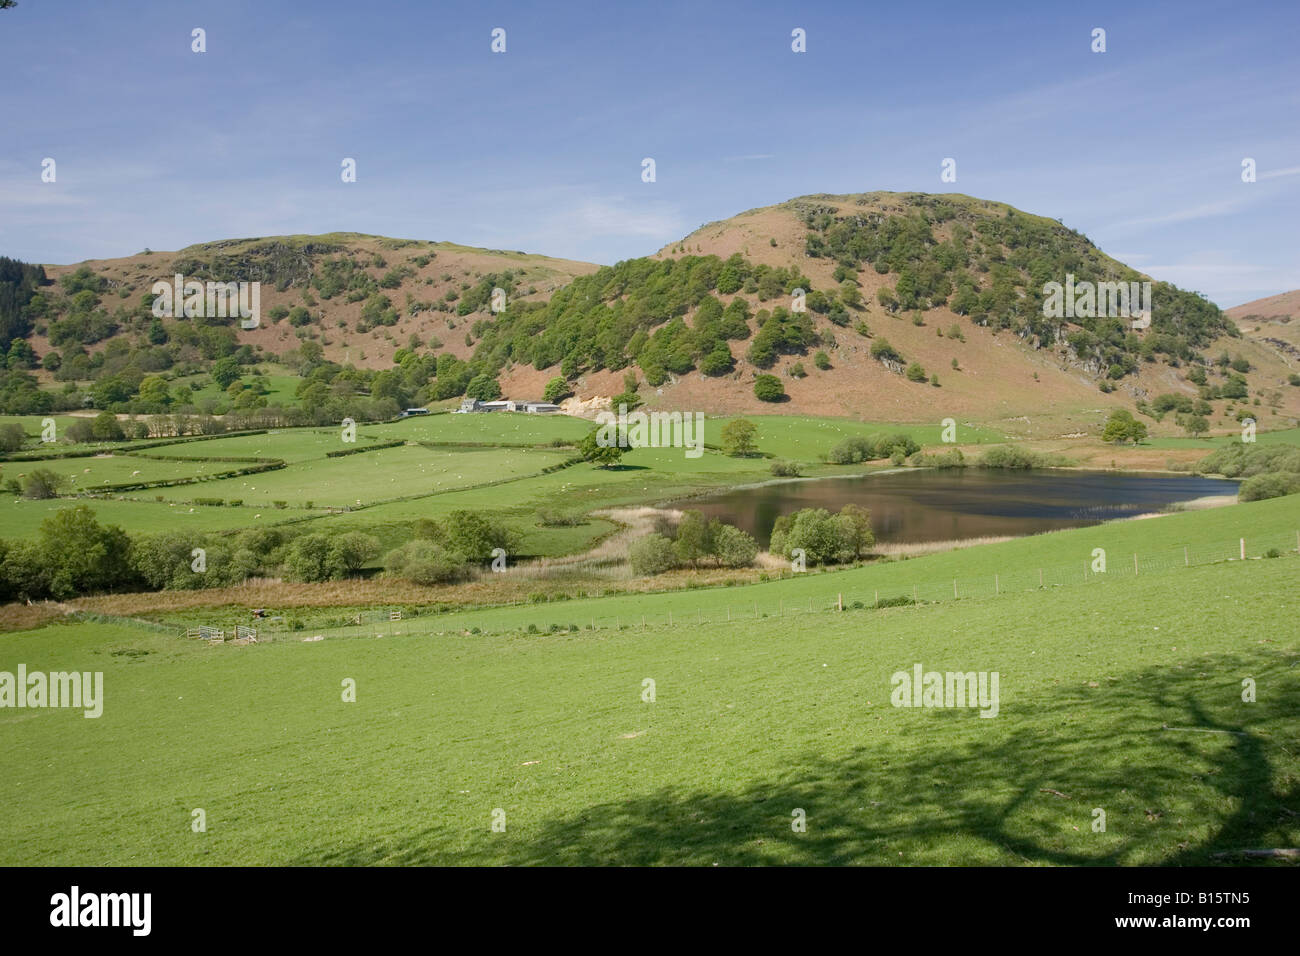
<point x="540" y="148"/>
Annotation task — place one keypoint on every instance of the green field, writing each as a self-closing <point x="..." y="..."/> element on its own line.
<point x="752" y="720"/>
<point x="510" y="428"/>
<point x="379" y="475"/>
<point x="86" y="474"/>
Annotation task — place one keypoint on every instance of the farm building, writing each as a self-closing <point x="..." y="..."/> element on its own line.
<point x="470" y="405"/>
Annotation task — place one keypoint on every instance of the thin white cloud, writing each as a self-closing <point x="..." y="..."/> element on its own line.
<point x="1222" y="207"/>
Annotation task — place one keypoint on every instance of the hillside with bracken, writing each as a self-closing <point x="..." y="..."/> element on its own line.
<point x="879" y="306"/>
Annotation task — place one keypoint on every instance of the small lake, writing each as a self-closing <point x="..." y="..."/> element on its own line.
<point x="946" y="505"/>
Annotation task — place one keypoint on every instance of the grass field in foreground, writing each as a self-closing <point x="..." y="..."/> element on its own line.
<point x="1106" y="697"/>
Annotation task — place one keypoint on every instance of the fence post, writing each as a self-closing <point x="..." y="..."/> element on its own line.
<point x="1040" y="577"/>
<point x="954" y="587"/>
<point x="670" y="618"/>
<point x="840" y="602"/>
<point x="997" y="587"/>
<point x="1187" y="561"/>
<point x="1135" y="564"/>
<point x="1243" y="549"/>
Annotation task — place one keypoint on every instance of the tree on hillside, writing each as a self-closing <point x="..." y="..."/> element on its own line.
<point x="225" y="370"/>
<point x="1122" y="427"/>
<point x="483" y="387"/>
<point x="1195" y="425"/>
<point x="738" y="438"/>
<point x="768" y="388"/>
<point x="556" y="389"/>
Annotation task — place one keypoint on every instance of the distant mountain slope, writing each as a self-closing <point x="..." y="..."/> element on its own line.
<point x="906" y="268"/>
<point x="915" y="307"/>
<point x="1274" y="322"/>
<point x="340" y="279"/>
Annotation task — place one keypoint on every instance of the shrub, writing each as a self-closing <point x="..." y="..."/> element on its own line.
<point x="881" y="349"/>
<point x="470" y="534"/>
<point x="549" y="518"/>
<point x="352" y="549"/>
<point x="822" y="361"/>
<point x="42" y="484"/>
<point x="12" y="437"/>
<point x="1009" y="456"/>
<point x="106" y="428"/>
<point x="1271" y="485"/>
<point x="652" y="554"/>
<point x="1122" y="427"/>
<point x="785" y="469"/>
<point x="857" y="448"/>
<point x="824" y="538"/>
<point x="311" y="558"/>
<point x="556" y="389"/>
<point x="768" y="388"/>
<point x="425" y="562"/>
<point x="915" y="373"/>
<point x="733" y="547"/>
<point x="694" y="539"/>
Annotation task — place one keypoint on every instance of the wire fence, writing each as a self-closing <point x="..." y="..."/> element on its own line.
<point x="571" y="615"/>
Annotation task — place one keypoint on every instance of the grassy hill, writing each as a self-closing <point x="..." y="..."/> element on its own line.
<point x="1036" y="378"/>
<point x="1273" y="323"/>
<point x="944" y="287"/>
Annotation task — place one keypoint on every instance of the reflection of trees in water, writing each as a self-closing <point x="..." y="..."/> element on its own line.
<point x="940" y="506"/>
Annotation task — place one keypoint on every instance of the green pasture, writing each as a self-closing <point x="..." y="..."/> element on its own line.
<point x="1125" y="697"/>
<point x="511" y="428"/>
<point x="372" y="476"/>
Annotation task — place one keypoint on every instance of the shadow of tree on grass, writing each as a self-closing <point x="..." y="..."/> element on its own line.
<point x="1183" y="768"/>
